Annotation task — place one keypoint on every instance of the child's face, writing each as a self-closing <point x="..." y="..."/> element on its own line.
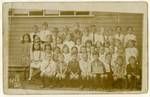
<point x="111" y="49"/>
<point x="44" y="27"/>
<point x="102" y="50"/>
<point x="97" y="49"/>
<point x="49" y="38"/>
<point x="85" y="57"/>
<point x="36" y="46"/>
<point x="74" y="50"/>
<point x="130" y="30"/>
<point x="74" y="57"/>
<point x="37" y="39"/>
<point x="117" y="42"/>
<point x="92" y="49"/>
<point x="83" y="49"/>
<point x="61" y="58"/>
<point x="47" y="48"/>
<point x="68" y="37"/>
<point x="118" y="29"/>
<point x="119" y="61"/>
<point x="95" y="56"/>
<point x="88" y="50"/>
<point x="35" y="28"/>
<point x="26" y="38"/>
<point x="57" y="50"/>
<point x="132" y="61"/>
<point x="55" y="57"/>
<point x="78" y="41"/>
<point x="108" y="57"/>
<point x="59" y="40"/>
<point x="131" y="44"/>
<point x="98" y="44"/>
<point x="65" y="49"/>
<point x="107" y="44"/>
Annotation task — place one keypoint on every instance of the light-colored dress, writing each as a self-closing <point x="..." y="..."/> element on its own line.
<point x="36" y="59"/>
<point x="130" y="52"/>
<point x="67" y="57"/>
<point x="85" y="67"/>
<point x="50" y="70"/>
<point x="43" y="34"/>
<point x="129" y="37"/>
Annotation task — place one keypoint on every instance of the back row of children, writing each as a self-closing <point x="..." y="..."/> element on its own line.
<point x="99" y="57"/>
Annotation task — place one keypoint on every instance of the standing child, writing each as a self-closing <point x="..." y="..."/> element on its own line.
<point x="26" y="48"/>
<point x="44" y="32"/>
<point x="68" y="41"/>
<point x="119" y="35"/>
<point x="99" y="36"/>
<point x="86" y="35"/>
<point x="35" y="32"/>
<point x="36" y="58"/>
<point x="130" y="35"/>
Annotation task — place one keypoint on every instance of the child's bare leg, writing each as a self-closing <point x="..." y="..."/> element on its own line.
<point x="30" y="74"/>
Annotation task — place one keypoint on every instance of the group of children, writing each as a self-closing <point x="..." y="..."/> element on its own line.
<point x="84" y="57"/>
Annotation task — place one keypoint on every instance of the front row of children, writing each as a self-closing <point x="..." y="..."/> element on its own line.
<point x="79" y="71"/>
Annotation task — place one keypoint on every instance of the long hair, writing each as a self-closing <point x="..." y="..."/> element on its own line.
<point x="23" y="41"/>
<point x="33" y="49"/>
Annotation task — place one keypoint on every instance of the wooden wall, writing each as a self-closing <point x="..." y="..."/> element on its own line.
<point x="19" y="26"/>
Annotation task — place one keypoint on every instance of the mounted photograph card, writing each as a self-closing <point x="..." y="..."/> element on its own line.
<point x="75" y="47"/>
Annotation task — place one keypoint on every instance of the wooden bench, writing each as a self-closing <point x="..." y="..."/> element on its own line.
<point x="19" y="68"/>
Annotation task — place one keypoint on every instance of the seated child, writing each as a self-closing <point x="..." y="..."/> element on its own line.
<point x="102" y="53"/>
<point x="85" y="66"/>
<point x="108" y="75"/>
<point x="131" y="50"/>
<point x="61" y="67"/>
<point x="97" y="70"/>
<point x="119" y="73"/>
<point x="66" y="53"/>
<point x="74" y="70"/>
<point x="36" y="58"/>
<point x="133" y="74"/>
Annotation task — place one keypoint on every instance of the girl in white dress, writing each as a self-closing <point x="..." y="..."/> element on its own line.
<point x="46" y="59"/>
<point x="36" y="58"/>
<point x="130" y="35"/>
<point x="68" y="41"/>
<point x="26" y="48"/>
<point x="99" y="36"/>
<point x="131" y="50"/>
<point x="119" y="35"/>
<point x="44" y="31"/>
<point x="66" y="53"/>
<point x="61" y="68"/>
<point x="86" y="35"/>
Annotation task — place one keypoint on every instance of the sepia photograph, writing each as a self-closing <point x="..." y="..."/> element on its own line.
<point x="75" y="47"/>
